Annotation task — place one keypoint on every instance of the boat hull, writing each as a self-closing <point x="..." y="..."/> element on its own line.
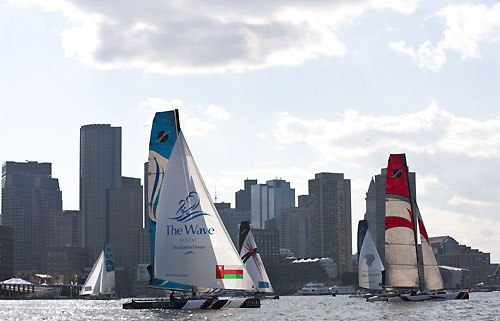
<point x="194" y="304"/>
<point x="426" y="297"/>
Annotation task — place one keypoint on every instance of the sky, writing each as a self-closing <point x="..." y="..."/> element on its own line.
<point x="269" y="89"/>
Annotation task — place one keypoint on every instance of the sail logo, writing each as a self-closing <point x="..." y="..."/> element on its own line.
<point x="189" y="208"/>
<point x="396" y="172"/>
<point x="162" y="136"/>
<point x="369" y="259"/>
<point x="228" y="272"/>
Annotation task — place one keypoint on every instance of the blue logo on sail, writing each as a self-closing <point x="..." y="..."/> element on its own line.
<point x="188" y="208"/>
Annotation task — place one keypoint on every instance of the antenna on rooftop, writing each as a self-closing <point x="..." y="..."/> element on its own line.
<point x="215" y="193"/>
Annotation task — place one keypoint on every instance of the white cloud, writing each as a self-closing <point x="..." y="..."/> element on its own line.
<point x="216" y="112"/>
<point x="466" y="26"/>
<point x="178" y="37"/>
<point x="354" y="137"/>
<point x="458" y="201"/>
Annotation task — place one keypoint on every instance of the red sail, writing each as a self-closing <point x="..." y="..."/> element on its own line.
<point x="397" y="176"/>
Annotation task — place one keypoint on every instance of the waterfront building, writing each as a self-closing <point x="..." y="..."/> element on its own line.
<point x="69" y="229"/>
<point x="64" y="261"/>
<point x="31" y="200"/>
<point x="125" y="225"/>
<point x="330" y="231"/>
<point x="450" y="253"/>
<point x="267" y="200"/>
<point x="6" y="252"/>
<point x="100" y="170"/>
<point x="243" y="196"/>
<point x="267" y="241"/>
<point x="293" y="227"/>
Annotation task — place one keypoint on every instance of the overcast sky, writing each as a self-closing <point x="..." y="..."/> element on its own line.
<point x="269" y="89"/>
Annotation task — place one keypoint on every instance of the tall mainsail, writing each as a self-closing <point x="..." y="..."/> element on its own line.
<point x="250" y="256"/>
<point x="192" y="246"/>
<point x="163" y="136"/>
<point x="400" y="243"/>
<point x="370" y="265"/>
<point x="432" y="276"/>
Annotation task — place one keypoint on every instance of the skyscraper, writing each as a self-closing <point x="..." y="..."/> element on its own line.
<point x="31" y="200"/>
<point x="267" y="200"/>
<point x="125" y="224"/>
<point x="330" y="230"/>
<point x="293" y="227"/>
<point x="243" y="196"/>
<point x="100" y="170"/>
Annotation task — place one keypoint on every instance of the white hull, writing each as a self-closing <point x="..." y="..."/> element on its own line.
<point x="195" y="304"/>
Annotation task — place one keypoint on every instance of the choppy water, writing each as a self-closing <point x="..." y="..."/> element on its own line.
<point x="481" y="306"/>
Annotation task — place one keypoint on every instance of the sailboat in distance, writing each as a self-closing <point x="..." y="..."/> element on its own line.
<point x="370" y="265"/>
<point x="403" y="223"/>
<point x="192" y="248"/>
<point x="250" y="256"/>
<point x="101" y="280"/>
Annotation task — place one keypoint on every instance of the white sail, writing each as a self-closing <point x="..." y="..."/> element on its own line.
<point x="92" y="285"/>
<point x="401" y="269"/>
<point x="250" y="256"/>
<point x="192" y="246"/>
<point x="370" y="265"/>
<point x="432" y="276"/>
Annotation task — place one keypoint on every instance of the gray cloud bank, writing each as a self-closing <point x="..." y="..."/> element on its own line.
<point x="177" y="37"/>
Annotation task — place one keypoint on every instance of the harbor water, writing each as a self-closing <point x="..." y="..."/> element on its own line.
<point x="481" y="306"/>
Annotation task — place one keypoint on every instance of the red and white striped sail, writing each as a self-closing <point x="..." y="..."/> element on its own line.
<point x="401" y="269"/>
<point x="432" y="276"/>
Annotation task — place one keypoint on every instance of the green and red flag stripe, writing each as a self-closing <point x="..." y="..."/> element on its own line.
<point x="228" y="272"/>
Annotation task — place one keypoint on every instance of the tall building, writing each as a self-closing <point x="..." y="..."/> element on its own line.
<point x="125" y="225"/>
<point x="6" y="252"/>
<point x="69" y="229"/>
<point x="293" y="227"/>
<point x="375" y="208"/>
<point x="100" y="170"/>
<point x="267" y="200"/>
<point x="330" y="231"/>
<point x="31" y="200"/>
<point x="243" y="196"/>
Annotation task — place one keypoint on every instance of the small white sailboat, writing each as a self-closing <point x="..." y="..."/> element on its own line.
<point x="402" y="220"/>
<point x="192" y="248"/>
<point x="101" y="280"/>
<point x="250" y="256"/>
<point x="370" y="266"/>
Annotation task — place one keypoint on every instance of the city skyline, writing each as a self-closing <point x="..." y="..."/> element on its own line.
<point x="336" y="89"/>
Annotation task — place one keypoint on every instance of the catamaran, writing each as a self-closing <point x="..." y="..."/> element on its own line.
<point x="402" y="220"/>
<point x="190" y="246"/>
<point x="101" y="280"/>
